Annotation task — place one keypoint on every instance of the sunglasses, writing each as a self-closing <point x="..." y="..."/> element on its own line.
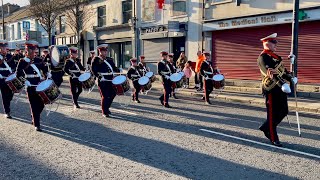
<point x="273" y="41"/>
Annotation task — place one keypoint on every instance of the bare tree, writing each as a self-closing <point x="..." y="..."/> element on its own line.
<point x="78" y="15"/>
<point x="46" y="11"/>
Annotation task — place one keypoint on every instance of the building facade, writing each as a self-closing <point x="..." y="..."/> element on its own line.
<point x="234" y="37"/>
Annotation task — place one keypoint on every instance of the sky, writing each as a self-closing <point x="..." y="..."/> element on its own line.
<point x="19" y="2"/>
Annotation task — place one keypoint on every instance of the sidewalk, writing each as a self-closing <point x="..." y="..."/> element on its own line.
<point x="304" y="104"/>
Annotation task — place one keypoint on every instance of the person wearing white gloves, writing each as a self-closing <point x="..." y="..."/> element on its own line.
<point x="103" y="67"/>
<point x="134" y="73"/>
<point x="73" y="68"/>
<point x="6" y="68"/>
<point x="276" y="97"/>
<point x="165" y="72"/>
<point x="207" y="72"/>
<point x="32" y="70"/>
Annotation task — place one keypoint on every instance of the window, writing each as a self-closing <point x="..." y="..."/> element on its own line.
<point x="12" y="32"/>
<point x="62" y="20"/>
<point x="19" y="31"/>
<point x="221" y="1"/>
<point x="148" y="10"/>
<point x="179" y="7"/>
<point x="91" y="45"/>
<point x="102" y="16"/>
<point x="126" y="11"/>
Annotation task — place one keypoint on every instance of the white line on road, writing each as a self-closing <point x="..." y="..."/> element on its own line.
<point x="262" y="144"/>
<point x="118" y="110"/>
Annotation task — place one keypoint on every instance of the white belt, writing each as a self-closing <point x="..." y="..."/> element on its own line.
<point x="32" y="76"/>
<point x="105" y="80"/>
<point x="207" y="72"/>
<point x="105" y="74"/>
<point x="4" y="69"/>
<point x="74" y="71"/>
<point x="163" y="72"/>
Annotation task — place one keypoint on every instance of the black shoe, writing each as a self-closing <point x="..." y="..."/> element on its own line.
<point x="106" y="115"/>
<point x="175" y="97"/>
<point x="202" y="98"/>
<point x="266" y="133"/>
<point x="167" y="106"/>
<point x="137" y="101"/>
<point x="277" y="143"/>
<point x="8" y="116"/>
<point x="161" y="101"/>
<point x="208" y="103"/>
<point x="109" y="112"/>
<point x="38" y="129"/>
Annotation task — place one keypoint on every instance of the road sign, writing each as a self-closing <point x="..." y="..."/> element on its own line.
<point x="173" y="26"/>
<point x="25" y="25"/>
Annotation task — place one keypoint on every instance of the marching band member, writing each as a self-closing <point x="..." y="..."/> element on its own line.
<point x="173" y="69"/>
<point x="134" y="74"/>
<point x="103" y="68"/>
<point x="89" y="61"/>
<point x="17" y="55"/>
<point x="32" y="71"/>
<point x="142" y="66"/>
<point x="6" y="68"/>
<point x="73" y="68"/>
<point x="207" y="72"/>
<point x="57" y="73"/>
<point x="276" y="98"/>
<point x="164" y="71"/>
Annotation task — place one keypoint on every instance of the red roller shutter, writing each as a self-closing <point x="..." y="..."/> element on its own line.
<point x="235" y="51"/>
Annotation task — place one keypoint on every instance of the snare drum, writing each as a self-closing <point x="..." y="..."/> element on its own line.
<point x="175" y="77"/>
<point x="14" y="83"/>
<point x="151" y="76"/>
<point x="87" y="80"/>
<point x="121" y="84"/>
<point x="58" y="56"/>
<point x="218" y="81"/>
<point x="48" y="91"/>
<point x="145" y="83"/>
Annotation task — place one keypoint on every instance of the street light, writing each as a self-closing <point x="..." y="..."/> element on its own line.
<point x="2" y="20"/>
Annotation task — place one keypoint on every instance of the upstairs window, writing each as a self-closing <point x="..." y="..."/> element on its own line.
<point x="179" y="7"/>
<point x="102" y="16"/>
<point x="126" y="11"/>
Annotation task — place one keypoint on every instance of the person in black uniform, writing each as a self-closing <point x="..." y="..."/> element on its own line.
<point x="207" y="72"/>
<point x="89" y="61"/>
<point x="104" y="68"/>
<point x="73" y="68"/>
<point x="164" y="71"/>
<point x="57" y="73"/>
<point x="173" y="69"/>
<point x="32" y="70"/>
<point x="270" y="65"/>
<point x="7" y="66"/>
<point x="142" y="65"/>
<point x="134" y="74"/>
<point x="17" y="55"/>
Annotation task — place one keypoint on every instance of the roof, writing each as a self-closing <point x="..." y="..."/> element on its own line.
<point x="22" y="13"/>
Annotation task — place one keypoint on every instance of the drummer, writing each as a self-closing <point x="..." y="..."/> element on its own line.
<point x="164" y="71"/>
<point x="134" y="73"/>
<point x="173" y="69"/>
<point x="104" y="68"/>
<point x="73" y="68"/>
<point x="207" y="72"/>
<point x="89" y="60"/>
<point x="57" y="73"/>
<point x="142" y="65"/>
<point x="6" y="68"/>
<point x="32" y="71"/>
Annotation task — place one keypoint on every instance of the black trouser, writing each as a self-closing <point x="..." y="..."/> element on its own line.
<point x="76" y="89"/>
<point x="208" y="88"/>
<point x="7" y="96"/>
<point x="199" y="80"/>
<point x="277" y="109"/>
<point x="107" y="94"/>
<point x="36" y="105"/>
<point x="57" y="77"/>
<point x="137" y="88"/>
<point x="167" y="91"/>
<point x="187" y="81"/>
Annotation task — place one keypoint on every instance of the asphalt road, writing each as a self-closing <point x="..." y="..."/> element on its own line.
<point x="148" y="141"/>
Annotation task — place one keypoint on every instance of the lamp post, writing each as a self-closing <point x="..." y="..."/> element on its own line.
<point x="295" y="35"/>
<point x="2" y="13"/>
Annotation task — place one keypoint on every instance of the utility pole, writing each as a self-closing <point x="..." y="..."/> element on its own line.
<point x="2" y="13"/>
<point x="295" y="34"/>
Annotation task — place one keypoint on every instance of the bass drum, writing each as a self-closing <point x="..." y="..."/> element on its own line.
<point x="58" y="55"/>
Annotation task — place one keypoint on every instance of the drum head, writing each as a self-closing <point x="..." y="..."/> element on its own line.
<point x="11" y="77"/>
<point x="149" y="74"/>
<point x="218" y="77"/>
<point x="85" y="76"/>
<point x="175" y="77"/>
<point x="143" y="80"/>
<point x="44" y="85"/>
<point x="58" y="53"/>
<point x="182" y="73"/>
<point x="119" y="80"/>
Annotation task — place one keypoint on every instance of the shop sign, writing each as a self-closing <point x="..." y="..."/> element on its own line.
<point x="154" y="29"/>
<point x="248" y="21"/>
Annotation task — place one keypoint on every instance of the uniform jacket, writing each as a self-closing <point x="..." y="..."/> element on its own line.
<point x="206" y="69"/>
<point x="134" y="73"/>
<point x="73" y="67"/>
<point x="163" y="70"/>
<point x="100" y="68"/>
<point x="143" y="68"/>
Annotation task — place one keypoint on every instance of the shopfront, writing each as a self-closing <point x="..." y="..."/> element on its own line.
<point x="236" y="44"/>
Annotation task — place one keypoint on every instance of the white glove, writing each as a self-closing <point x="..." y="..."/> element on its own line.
<point x="286" y="88"/>
<point x="292" y="57"/>
<point x="49" y="75"/>
<point x="206" y="78"/>
<point x="27" y="83"/>
<point x="1" y="77"/>
<point x="167" y="77"/>
<point x="121" y="70"/>
<point x="102" y="79"/>
<point x="218" y="70"/>
<point x="295" y="80"/>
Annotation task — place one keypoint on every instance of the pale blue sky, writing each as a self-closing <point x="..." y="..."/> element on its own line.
<point x="19" y="2"/>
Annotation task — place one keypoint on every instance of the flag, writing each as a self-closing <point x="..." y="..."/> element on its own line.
<point x="160" y="3"/>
